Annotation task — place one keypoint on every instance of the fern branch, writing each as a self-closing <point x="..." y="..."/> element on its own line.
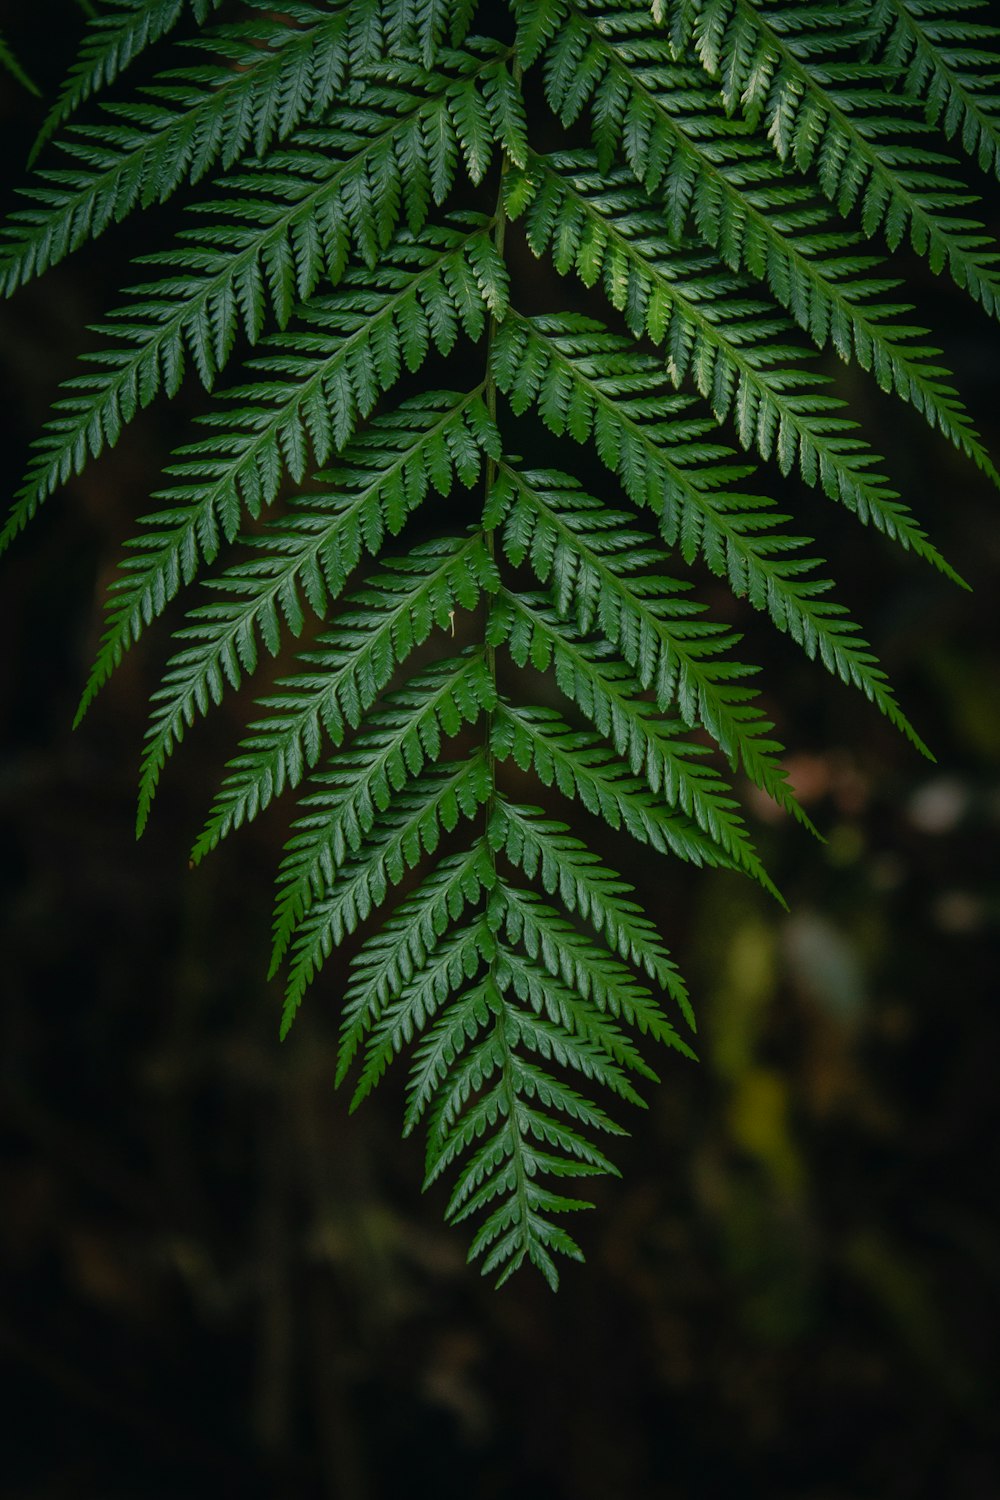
<point x="586" y="967"/>
<point x="412" y="828"/>
<point x="937" y="51"/>
<point x="517" y="1230"/>
<point x="512" y="964"/>
<point x="581" y="766"/>
<point x="701" y="165"/>
<point x="298" y="213"/>
<point x="518" y="1110"/>
<point x="598" y="568"/>
<point x="11" y="64"/>
<point x="114" y="39"/>
<point x="714" y="329"/>
<point x="354" y="346"/>
<point x="565" y="866"/>
<point x="586" y="381"/>
<point x="457" y="958"/>
<point x="401" y="739"/>
<point x="509" y="1164"/>
<point x="449" y="1133"/>
<point x="390" y="956"/>
<point x="564" y="1020"/>
<point x="565" y="1028"/>
<point x="346" y="670"/>
<point x="309" y="556"/>
<point x="267" y="77"/>
<point x="838" y="118"/>
<point x="653" y="748"/>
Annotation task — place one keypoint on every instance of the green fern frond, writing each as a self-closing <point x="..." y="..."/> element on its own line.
<point x="401" y="946"/>
<point x="654" y="749"/>
<point x="508" y="1165"/>
<point x="537" y="23"/>
<point x="308" y="558"/>
<point x="583" y="767"/>
<point x="598" y="566"/>
<point x="114" y="38"/>
<point x="401" y="739"/>
<point x="715" y="173"/>
<point x="455" y="1083"/>
<point x="584" y="966"/>
<point x="412" y="828"/>
<point x="586" y="381"/>
<point x="379" y="175"/>
<point x="941" y="54"/>
<point x="298" y="213"/>
<point x="572" y="994"/>
<point x="836" y="117"/>
<point x="584" y="1033"/>
<point x="563" y="864"/>
<point x="353" y="347"/>
<point x="559" y="1005"/>
<point x="418" y="1000"/>
<point x="714" y="329"/>
<point x="346" y="671"/>
<point x="263" y="78"/>
<point x="425" y="24"/>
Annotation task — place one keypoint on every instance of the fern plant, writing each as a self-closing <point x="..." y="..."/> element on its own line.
<point x="727" y="180"/>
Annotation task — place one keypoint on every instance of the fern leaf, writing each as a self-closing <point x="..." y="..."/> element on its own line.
<point x="585" y="966"/>
<point x="400" y="740"/>
<point x="598" y="566"/>
<point x="521" y="1109"/>
<point x="412" y="827"/>
<point x="837" y="118"/>
<point x="436" y="1057"/>
<point x="713" y="329"/>
<point x="570" y="1029"/>
<point x="714" y="172"/>
<point x="346" y="670"/>
<point x="564" y="865"/>
<point x="449" y="1134"/>
<point x="308" y="557"/>
<point x="937" y="50"/>
<point x="390" y="956"/>
<point x="653" y="748"/>
<point x="113" y="40"/>
<point x="267" y="77"/>
<point x="354" y="346"/>
<point x="299" y="211"/>
<point x="423" y="26"/>
<point x="567" y="1028"/>
<point x="581" y="766"/>
<point x="507" y="116"/>
<point x="419" y="999"/>
<point x="537" y="22"/>
<point x="11" y="64"/>
<point x="586" y="381"/>
<point x="370" y="158"/>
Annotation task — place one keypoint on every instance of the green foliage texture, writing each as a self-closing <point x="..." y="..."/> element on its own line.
<point x="364" y="185"/>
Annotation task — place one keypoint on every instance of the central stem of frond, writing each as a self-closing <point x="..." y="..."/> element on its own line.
<point x="490" y="398"/>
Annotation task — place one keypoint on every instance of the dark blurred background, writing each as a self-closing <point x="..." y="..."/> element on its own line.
<point x="216" y="1282"/>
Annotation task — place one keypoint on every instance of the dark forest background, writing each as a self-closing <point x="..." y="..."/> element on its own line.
<point x="215" y="1282"/>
